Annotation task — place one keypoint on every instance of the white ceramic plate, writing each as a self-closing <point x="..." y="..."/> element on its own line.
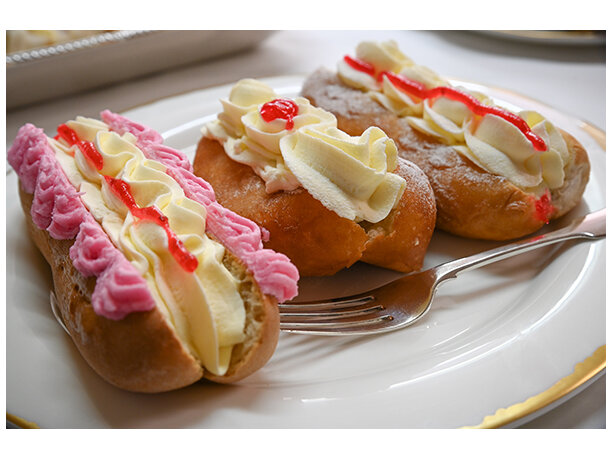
<point x="493" y="338"/>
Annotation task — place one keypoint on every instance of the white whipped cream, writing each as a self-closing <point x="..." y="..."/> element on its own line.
<point x="352" y="176"/>
<point x="493" y="143"/>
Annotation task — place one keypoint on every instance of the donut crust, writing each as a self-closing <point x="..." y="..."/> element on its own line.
<point x="316" y="239"/>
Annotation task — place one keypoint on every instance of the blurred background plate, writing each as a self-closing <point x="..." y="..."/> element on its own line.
<point x="53" y="71"/>
<point x="551" y="37"/>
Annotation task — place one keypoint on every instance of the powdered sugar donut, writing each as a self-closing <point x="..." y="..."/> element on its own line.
<point x="327" y="199"/>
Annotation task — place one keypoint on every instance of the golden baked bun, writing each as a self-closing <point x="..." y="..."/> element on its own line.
<point x="471" y="202"/>
<point x="141" y="352"/>
<point x="316" y="239"/>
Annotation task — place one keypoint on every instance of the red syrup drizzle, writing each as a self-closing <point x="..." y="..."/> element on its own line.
<point x="419" y="90"/>
<point x="122" y="189"/>
<point x="361" y="66"/>
<point x="284" y="109"/>
<point x="544" y="208"/>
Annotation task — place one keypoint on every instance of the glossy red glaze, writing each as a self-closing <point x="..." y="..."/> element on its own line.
<point x="88" y="149"/>
<point x="91" y="153"/>
<point x="152" y="214"/>
<point x="284" y="109"/>
<point x="64" y="132"/>
<point x="544" y="207"/>
<point x="361" y="66"/>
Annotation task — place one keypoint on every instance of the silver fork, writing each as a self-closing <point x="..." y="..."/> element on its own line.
<point x="406" y="300"/>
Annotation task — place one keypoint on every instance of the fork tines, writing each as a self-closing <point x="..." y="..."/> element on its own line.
<point x="323" y="305"/>
<point x="332" y="316"/>
<point x="368" y="326"/>
<point x="329" y="313"/>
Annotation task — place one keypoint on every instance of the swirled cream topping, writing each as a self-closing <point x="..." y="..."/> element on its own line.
<point x="492" y="142"/>
<point x="204" y="306"/>
<point x="352" y="176"/>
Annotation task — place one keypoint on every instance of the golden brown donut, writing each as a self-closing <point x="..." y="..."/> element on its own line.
<point x="316" y="239"/>
<point x="471" y="202"/>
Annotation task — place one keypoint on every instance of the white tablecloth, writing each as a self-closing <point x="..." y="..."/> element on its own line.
<point x="569" y="78"/>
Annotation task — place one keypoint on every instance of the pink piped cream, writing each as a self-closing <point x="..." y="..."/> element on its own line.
<point x="56" y="207"/>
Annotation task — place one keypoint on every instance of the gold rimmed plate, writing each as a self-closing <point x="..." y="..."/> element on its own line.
<point x="503" y="335"/>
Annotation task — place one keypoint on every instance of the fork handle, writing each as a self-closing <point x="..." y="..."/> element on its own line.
<point x="591" y="226"/>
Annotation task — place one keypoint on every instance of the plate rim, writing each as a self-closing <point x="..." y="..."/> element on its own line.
<point x="585" y="373"/>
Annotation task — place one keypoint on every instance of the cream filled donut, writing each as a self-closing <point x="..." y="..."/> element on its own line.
<point x="496" y="174"/>
<point x="326" y="198"/>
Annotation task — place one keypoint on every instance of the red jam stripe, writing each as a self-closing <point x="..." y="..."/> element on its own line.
<point x="284" y="109"/>
<point x="92" y="154"/>
<point x="152" y="214"/>
<point x="122" y="189"/>
<point x="419" y="90"/>
<point x="89" y="149"/>
<point x="66" y="133"/>
<point x="360" y="66"/>
<point x="544" y="207"/>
